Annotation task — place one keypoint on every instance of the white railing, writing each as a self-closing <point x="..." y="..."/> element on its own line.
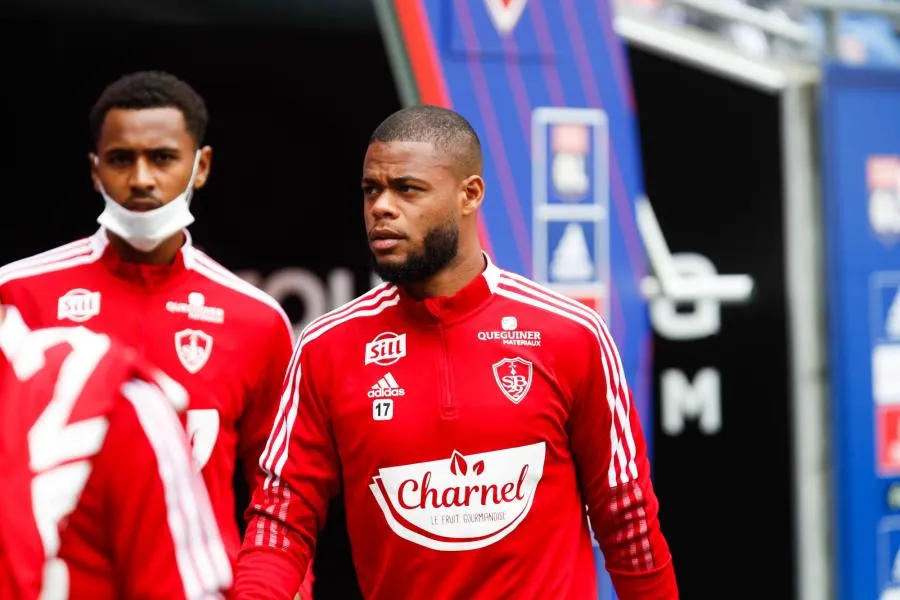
<point x="832" y="9"/>
<point x="776" y="24"/>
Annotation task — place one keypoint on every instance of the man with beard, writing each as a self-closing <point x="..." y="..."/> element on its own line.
<point x="472" y="419"/>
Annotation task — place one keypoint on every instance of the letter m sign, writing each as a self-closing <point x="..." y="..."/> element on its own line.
<point x="682" y="399"/>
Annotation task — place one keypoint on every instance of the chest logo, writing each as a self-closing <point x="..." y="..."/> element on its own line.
<point x="460" y="502"/>
<point x="511" y="335"/>
<point x="386" y="387"/>
<point x="193" y="348"/>
<point x="386" y="349"/>
<point x="196" y="309"/>
<point x="513" y="376"/>
<point x="78" y="305"/>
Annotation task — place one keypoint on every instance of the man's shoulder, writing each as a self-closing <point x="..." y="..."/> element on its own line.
<point x="564" y="318"/>
<point x="235" y="294"/>
<point x="354" y="320"/>
<point x="50" y="263"/>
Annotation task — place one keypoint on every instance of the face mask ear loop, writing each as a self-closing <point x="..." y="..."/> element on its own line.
<point x="189" y="191"/>
<point x="100" y="183"/>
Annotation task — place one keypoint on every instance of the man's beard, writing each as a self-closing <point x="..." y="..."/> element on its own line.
<point x="440" y="247"/>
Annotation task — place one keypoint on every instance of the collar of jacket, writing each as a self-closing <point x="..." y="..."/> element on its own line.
<point x="466" y="302"/>
<point x="141" y="275"/>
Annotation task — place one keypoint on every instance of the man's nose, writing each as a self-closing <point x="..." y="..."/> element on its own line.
<point x="385" y="206"/>
<point x="142" y="176"/>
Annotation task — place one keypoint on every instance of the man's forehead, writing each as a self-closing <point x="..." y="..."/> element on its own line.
<point x="410" y="155"/>
<point x="149" y="127"/>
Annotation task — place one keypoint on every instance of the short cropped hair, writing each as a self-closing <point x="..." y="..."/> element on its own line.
<point x="151" y="89"/>
<point x="448" y="131"/>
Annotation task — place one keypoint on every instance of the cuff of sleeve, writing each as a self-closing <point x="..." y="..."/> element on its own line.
<point x="658" y="584"/>
<point x="266" y="574"/>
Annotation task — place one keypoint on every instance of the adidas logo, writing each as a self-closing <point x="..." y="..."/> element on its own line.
<point x="386" y="387"/>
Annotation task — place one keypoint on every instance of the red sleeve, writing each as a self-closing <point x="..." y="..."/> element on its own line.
<point x="299" y="473"/>
<point x="262" y="405"/>
<point x="611" y="457"/>
<point x="165" y="541"/>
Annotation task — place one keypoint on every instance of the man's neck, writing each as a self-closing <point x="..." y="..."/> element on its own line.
<point x="164" y="254"/>
<point x="452" y="278"/>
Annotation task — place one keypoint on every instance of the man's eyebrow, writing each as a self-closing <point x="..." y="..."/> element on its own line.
<point x="119" y="150"/>
<point x="130" y="150"/>
<point x="406" y="179"/>
<point x="395" y="181"/>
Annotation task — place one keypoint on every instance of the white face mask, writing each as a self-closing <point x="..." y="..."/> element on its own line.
<point x="144" y="231"/>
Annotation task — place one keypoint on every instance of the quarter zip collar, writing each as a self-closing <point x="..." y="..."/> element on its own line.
<point x="450" y="309"/>
<point x="139" y="274"/>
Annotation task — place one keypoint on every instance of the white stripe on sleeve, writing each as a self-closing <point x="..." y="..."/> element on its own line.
<point x="203" y="565"/>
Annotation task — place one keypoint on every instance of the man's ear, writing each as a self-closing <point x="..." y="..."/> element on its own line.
<point x="94" y="161"/>
<point x="473" y="194"/>
<point x="203" y="167"/>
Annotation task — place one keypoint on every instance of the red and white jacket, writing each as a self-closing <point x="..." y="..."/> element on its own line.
<point x="100" y="497"/>
<point x="227" y="342"/>
<point x="471" y="436"/>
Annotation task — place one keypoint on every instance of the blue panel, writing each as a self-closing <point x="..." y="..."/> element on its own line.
<point x="861" y="127"/>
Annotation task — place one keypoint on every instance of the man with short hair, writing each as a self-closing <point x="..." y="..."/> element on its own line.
<point x="473" y="419"/>
<point x="100" y="499"/>
<point x="140" y="280"/>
